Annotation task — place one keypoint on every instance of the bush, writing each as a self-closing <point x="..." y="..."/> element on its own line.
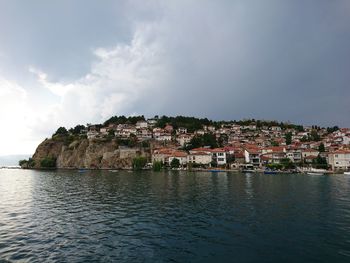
<point x="48" y="162"/>
<point x="157" y="166"/>
<point x="274" y="166"/>
<point x="22" y="163"/>
<point x="145" y="144"/>
<point x="61" y="131"/>
<point x="77" y="129"/>
<point x="175" y="163"/>
<point x="287" y="163"/>
<point x="30" y="163"/>
<point x="139" y="162"/>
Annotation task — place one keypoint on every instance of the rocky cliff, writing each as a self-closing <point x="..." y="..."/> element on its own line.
<point x="83" y="153"/>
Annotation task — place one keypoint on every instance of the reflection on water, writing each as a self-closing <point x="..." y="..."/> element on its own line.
<point x="173" y="217"/>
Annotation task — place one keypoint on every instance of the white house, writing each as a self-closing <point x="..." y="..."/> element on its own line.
<point x="309" y="152"/>
<point x="275" y="128"/>
<point x="200" y="132"/>
<point x="181" y="130"/>
<point x="104" y="130"/>
<point x="183" y="139"/>
<point x="199" y="158"/>
<point x="166" y="155"/>
<point x="339" y="160"/>
<point x="92" y="134"/>
<point x="141" y="124"/>
<point x="151" y="122"/>
<point x="144" y="134"/>
<point x="294" y="155"/>
<point x="252" y="156"/>
<point x="162" y="137"/>
<point x="219" y="155"/>
<point x="181" y="156"/>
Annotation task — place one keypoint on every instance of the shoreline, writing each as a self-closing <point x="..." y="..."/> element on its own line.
<point x="214" y="170"/>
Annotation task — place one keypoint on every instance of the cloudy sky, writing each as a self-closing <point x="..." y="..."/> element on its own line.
<point x="67" y="62"/>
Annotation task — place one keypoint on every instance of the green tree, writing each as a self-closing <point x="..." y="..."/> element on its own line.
<point x="274" y="143"/>
<point x="175" y="163"/>
<point x="207" y="139"/>
<point x="132" y="141"/>
<point x="139" y="162"/>
<point x="157" y="166"/>
<point x="30" y="163"/>
<point x="274" y="166"/>
<point x="77" y="129"/>
<point x="299" y="128"/>
<point x="304" y="139"/>
<point x="288" y="138"/>
<point x="22" y="163"/>
<point x="332" y="129"/>
<point x="223" y="140"/>
<point x="110" y="135"/>
<point x="321" y="148"/>
<point x="214" y="163"/>
<point x="145" y="144"/>
<point x="61" y="131"/>
<point x="320" y="163"/>
<point x="287" y="163"/>
<point x="314" y="136"/>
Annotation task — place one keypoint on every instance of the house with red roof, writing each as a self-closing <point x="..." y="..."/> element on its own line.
<point x="252" y="155"/>
<point x="202" y="158"/>
<point x="219" y="156"/>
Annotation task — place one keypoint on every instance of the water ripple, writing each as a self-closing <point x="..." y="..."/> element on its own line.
<point x="65" y="216"/>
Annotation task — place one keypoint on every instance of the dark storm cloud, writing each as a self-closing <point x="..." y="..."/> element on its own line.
<point x="59" y="36"/>
<point x="278" y="60"/>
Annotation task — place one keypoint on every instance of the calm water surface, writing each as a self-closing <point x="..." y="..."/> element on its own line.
<point x="66" y="216"/>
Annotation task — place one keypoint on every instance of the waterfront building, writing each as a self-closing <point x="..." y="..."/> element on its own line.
<point x="339" y="160"/>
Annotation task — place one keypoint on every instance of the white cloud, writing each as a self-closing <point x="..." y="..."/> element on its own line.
<point x="15" y="136"/>
<point x="121" y="78"/>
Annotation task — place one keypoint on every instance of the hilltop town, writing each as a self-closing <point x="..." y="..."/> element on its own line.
<point x="190" y="143"/>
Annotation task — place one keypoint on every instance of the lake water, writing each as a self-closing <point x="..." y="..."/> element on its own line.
<point x="101" y="216"/>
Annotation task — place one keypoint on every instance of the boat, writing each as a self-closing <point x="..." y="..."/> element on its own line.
<point x="270" y="172"/>
<point x="215" y="171"/>
<point x="248" y="168"/>
<point x="314" y="173"/>
<point x="347" y="173"/>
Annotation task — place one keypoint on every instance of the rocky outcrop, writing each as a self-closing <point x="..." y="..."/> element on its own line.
<point x="84" y="153"/>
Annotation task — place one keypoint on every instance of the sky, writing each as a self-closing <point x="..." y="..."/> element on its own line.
<point x="69" y="62"/>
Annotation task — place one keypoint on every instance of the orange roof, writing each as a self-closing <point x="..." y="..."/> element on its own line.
<point x="275" y="148"/>
<point x="252" y="151"/>
<point x="309" y="150"/>
<point x="200" y="153"/>
<point x="341" y="151"/>
<point x="218" y="150"/>
<point x="179" y="154"/>
<point x="201" y="149"/>
<point x="230" y="148"/>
